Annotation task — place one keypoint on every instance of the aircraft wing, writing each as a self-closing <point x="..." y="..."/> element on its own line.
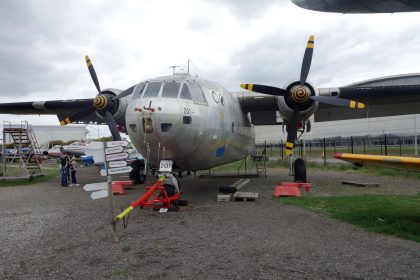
<point x="359" y="6"/>
<point x="262" y="108"/>
<point x="385" y="161"/>
<point x="61" y="108"/>
<point x="388" y="96"/>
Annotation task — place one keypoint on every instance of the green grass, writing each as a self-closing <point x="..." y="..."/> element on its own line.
<point x="50" y="173"/>
<point x="394" y="215"/>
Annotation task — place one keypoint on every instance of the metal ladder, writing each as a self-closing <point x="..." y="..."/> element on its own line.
<point x="30" y="163"/>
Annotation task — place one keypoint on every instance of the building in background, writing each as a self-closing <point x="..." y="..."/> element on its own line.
<point x="47" y="133"/>
<point x="398" y="125"/>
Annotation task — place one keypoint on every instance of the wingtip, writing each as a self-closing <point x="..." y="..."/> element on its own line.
<point x="338" y="156"/>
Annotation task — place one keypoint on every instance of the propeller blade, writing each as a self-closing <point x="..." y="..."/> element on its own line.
<point x="292" y="131"/>
<point x="77" y="116"/>
<point x="341" y="102"/>
<point x="112" y="124"/>
<point x="264" y="89"/>
<point x="307" y="59"/>
<point x="92" y="73"/>
<point x="125" y="93"/>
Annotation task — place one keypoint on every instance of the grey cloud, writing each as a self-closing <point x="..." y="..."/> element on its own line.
<point x="344" y="53"/>
<point x="246" y="9"/>
<point x="42" y="45"/>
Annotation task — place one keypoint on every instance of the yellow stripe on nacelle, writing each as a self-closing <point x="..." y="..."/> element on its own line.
<point x="355" y="104"/>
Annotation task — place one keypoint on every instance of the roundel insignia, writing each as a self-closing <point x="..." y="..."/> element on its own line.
<point x="215" y="96"/>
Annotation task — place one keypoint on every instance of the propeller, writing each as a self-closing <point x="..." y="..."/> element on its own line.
<point x="307" y="59"/>
<point x="105" y="104"/>
<point x="300" y="96"/>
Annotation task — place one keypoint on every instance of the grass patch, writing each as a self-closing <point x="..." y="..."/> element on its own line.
<point x="50" y="173"/>
<point x="394" y="215"/>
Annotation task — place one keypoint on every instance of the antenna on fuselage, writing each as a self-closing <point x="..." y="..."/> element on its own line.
<point x="173" y="69"/>
<point x="188" y="66"/>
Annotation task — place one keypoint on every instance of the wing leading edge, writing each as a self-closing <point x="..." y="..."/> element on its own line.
<point x="61" y="108"/>
<point x="388" y="96"/>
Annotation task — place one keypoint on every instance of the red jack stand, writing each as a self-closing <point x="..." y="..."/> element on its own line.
<point x="290" y="189"/>
<point x="156" y="196"/>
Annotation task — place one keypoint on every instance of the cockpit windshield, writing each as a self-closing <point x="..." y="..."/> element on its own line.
<point x="182" y="89"/>
<point x="197" y="93"/>
<point x="185" y="92"/>
<point x="170" y="89"/>
<point x="152" y="89"/>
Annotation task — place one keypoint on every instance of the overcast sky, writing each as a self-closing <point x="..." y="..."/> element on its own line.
<point x="43" y="44"/>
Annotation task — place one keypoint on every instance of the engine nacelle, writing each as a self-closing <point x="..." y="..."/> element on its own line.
<point x="299" y="95"/>
<point x="120" y="108"/>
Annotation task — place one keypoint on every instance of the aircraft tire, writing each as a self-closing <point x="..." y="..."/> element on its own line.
<point x="137" y="173"/>
<point x="300" y="171"/>
<point x="170" y="190"/>
<point x="228" y="190"/>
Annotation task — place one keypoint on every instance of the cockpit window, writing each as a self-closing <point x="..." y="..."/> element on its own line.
<point x="197" y="93"/>
<point x="152" y="89"/>
<point x="170" y="89"/>
<point x="185" y="92"/>
<point x="139" y="89"/>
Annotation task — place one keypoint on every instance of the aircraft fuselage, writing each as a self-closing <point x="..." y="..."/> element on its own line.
<point x="194" y="122"/>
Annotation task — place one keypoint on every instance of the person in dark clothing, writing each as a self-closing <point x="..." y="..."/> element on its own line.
<point x="73" y="168"/>
<point x="64" y="166"/>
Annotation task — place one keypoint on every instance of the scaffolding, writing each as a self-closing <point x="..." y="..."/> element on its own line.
<point x="24" y="160"/>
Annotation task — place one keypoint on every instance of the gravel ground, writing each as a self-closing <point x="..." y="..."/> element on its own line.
<point x="50" y="232"/>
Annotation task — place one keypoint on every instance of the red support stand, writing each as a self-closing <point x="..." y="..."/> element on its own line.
<point x="118" y="187"/>
<point x="290" y="189"/>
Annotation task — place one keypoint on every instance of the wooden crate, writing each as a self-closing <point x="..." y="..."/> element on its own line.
<point x="245" y="196"/>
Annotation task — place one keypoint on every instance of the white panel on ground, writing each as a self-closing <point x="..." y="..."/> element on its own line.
<point x="99" y="194"/>
<point x="96" y="186"/>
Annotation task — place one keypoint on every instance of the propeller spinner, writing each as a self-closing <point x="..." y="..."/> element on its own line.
<point x="299" y="95"/>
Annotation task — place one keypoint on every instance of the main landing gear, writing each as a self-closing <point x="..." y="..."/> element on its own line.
<point x="297" y="169"/>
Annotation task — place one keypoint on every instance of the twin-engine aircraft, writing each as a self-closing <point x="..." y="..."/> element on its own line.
<point x="198" y="124"/>
<point x="359" y="6"/>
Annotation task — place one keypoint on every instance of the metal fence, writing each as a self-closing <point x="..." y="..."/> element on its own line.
<point x="391" y="145"/>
